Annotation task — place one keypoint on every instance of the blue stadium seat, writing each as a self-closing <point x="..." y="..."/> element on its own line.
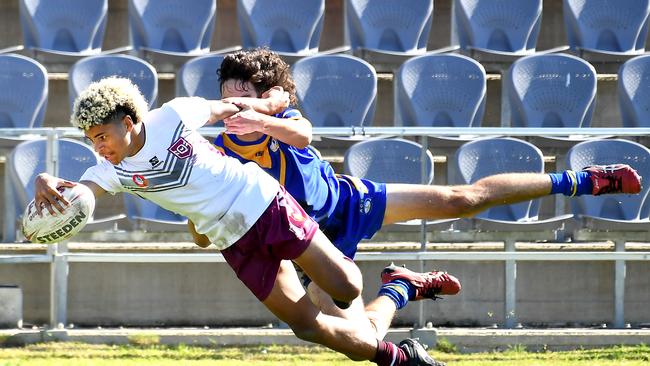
<point x="488" y="156"/>
<point x="388" y="31"/>
<point x="335" y="90"/>
<point x="505" y="27"/>
<point x="392" y="160"/>
<point x="23" y="92"/>
<point x="292" y="28"/>
<point x="440" y="90"/>
<point x="198" y="77"/>
<point x="167" y="33"/>
<point x="28" y="159"/>
<point x="618" y="212"/>
<point x="94" y="68"/>
<point x="148" y="216"/>
<point x="63" y="29"/>
<point x="634" y="92"/>
<point x="554" y="90"/>
<point x="607" y="27"/>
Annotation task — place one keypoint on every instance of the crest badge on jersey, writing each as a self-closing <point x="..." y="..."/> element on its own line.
<point x="181" y="148"/>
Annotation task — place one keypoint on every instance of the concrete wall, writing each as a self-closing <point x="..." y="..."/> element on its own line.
<point x="197" y="294"/>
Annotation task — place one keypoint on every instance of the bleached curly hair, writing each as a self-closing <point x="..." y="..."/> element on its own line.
<point x="107" y="99"/>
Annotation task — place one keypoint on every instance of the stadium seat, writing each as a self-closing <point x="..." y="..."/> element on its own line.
<point x="440" y="90"/>
<point x="292" y="28"/>
<point x="167" y="33"/>
<point x="555" y="90"/>
<point x="620" y="212"/>
<point x="387" y="32"/>
<point x="27" y="160"/>
<point x="394" y="160"/>
<point x="336" y="90"/>
<point x="94" y="68"/>
<point x="23" y="97"/>
<point x="488" y="156"/>
<point x="198" y="77"/>
<point x="607" y="28"/>
<point x="23" y="92"/>
<point x="61" y="32"/>
<point x="634" y="92"/>
<point x="497" y="30"/>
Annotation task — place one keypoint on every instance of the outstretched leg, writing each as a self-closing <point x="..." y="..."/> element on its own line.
<point x="410" y="201"/>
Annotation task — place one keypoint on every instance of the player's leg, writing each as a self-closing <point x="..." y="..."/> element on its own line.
<point x="406" y="202"/>
<point x="412" y="201"/>
<point x="353" y="336"/>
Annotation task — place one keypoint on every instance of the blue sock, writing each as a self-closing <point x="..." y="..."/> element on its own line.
<point x="571" y="183"/>
<point x="399" y="291"/>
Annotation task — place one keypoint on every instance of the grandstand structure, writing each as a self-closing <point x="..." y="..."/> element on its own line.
<point x="551" y="265"/>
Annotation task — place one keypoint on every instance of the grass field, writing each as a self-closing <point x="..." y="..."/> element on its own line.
<point x="51" y="354"/>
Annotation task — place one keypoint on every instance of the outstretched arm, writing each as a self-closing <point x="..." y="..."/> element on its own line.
<point x="47" y="195"/>
<point x="293" y="131"/>
<point x="273" y="101"/>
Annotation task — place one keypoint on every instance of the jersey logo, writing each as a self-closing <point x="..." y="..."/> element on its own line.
<point x="140" y="180"/>
<point x="274" y="145"/>
<point x="155" y="162"/>
<point x="181" y="148"/>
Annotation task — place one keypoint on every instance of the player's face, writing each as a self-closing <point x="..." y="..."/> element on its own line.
<point x="112" y="140"/>
<point x="237" y="88"/>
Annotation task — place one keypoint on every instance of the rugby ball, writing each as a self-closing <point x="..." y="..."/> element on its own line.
<point x="49" y="229"/>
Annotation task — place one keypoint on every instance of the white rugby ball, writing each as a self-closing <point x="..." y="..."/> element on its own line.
<point x="49" y="229"/>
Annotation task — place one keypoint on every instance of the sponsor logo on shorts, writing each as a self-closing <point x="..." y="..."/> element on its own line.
<point x="365" y="206"/>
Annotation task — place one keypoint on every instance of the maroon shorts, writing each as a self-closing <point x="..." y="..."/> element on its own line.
<point x="283" y="231"/>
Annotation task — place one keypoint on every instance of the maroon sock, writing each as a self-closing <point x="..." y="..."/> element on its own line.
<point x="388" y="354"/>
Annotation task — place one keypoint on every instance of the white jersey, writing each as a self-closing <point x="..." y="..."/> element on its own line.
<point x="181" y="171"/>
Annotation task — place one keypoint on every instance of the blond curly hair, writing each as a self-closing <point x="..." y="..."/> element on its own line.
<point x="104" y="100"/>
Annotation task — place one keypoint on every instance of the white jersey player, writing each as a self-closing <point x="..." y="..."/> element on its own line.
<point x="258" y="227"/>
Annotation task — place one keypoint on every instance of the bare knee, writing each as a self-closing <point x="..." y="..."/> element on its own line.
<point x="466" y="200"/>
<point x="348" y="286"/>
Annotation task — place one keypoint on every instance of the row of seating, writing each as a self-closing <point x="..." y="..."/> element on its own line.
<point x="293" y="27"/>
<point x="448" y="90"/>
<point x="392" y="161"/>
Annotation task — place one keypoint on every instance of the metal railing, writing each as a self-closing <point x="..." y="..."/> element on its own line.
<point x="59" y="257"/>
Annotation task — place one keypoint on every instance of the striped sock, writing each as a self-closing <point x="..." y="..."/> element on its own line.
<point x="571" y="183"/>
<point x="399" y="291"/>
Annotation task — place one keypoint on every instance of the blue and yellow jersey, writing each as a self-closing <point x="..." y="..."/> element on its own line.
<point x="310" y="180"/>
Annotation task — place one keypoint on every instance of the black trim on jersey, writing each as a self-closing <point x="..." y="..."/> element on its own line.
<point x="174" y="174"/>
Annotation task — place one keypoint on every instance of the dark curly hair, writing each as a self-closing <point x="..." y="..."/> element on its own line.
<point x="262" y="67"/>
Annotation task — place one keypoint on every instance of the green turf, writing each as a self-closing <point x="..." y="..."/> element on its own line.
<point x="51" y="354"/>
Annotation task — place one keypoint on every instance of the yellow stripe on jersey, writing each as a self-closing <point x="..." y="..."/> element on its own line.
<point x="219" y="148"/>
<point x="257" y="153"/>
<point x="283" y="168"/>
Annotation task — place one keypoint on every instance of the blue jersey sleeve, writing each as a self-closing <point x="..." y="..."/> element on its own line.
<point x="289" y="113"/>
